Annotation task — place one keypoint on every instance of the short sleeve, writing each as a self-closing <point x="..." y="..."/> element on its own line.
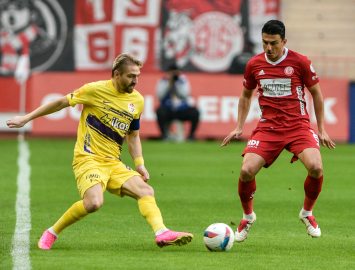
<point x="309" y="76"/>
<point x="250" y="82"/>
<point x="135" y="124"/>
<point x="83" y="95"/>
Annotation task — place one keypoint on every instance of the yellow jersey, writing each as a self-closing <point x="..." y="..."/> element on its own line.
<point x="106" y="117"/>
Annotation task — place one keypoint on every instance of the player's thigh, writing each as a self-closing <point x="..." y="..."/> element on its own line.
<point x="267" y="144"/>
<point x="136" y="188"/>
<point x="89" y="173"/>
<point x="120" y="173"/>
<point x="304" y="144"/>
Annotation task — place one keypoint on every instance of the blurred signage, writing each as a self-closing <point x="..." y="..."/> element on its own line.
<point x="216" y="96"/>
<point x="41" y="30"/>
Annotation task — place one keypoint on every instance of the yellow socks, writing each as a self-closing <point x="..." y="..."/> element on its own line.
<point x="75" y="213"/>
<point x="147" y="206"/>
<point x="150" y="211"/>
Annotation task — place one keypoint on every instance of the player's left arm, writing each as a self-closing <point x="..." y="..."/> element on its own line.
<point x="135" y="149"/>
<point x="319" y="111"/>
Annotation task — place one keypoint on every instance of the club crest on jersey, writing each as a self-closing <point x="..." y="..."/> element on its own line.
<point x="131" y="107"/>
<point x="289" y="71"/>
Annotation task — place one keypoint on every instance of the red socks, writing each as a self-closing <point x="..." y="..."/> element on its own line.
<point x="246" y="192"/>
<point x="312" y="188"/>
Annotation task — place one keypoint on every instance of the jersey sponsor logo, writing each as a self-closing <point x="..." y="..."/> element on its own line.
<point x="262" y="72"/>
<point x="253" y="144"/>
<point x="300" y="97"/>
<point x="118" y="124"/>
<point x="289" y="71"/>
<point x="105" y="119"/>
<point x="312" y="69"/>
<point x="107" y="102"/>
<point x="276" y="87"/>
<point x="131" y="107"/>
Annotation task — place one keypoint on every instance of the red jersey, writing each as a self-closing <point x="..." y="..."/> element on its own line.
<point x="281" y="88"/>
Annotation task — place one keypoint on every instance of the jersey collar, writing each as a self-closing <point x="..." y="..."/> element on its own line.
<point x="278" y="61"/>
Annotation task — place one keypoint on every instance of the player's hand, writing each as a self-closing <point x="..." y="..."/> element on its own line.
<point x="325" y="140"/>
<point x="16" y="122"/>
<point x="143" y="172"/>
<point x="235" y="134"/>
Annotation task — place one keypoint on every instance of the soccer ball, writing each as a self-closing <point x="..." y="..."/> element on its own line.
<point x="219" y="237"/>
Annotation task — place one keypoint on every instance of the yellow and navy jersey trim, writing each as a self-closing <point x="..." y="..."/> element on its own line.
<point x="103" y="130"/>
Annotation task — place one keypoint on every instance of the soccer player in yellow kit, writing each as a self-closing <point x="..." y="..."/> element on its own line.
<point x="111" y="111"/>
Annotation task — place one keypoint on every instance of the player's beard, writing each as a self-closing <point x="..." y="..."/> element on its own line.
<point x="129" y="88"/>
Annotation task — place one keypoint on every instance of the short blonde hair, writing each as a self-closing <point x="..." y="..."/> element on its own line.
<point x="124" y="60"/>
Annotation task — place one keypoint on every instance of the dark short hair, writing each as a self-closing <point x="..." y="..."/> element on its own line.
<point x="274" y="27"/>
<point x="122" y="61"/>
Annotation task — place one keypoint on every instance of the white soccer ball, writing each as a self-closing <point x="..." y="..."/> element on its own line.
<point x="219" y="237"/>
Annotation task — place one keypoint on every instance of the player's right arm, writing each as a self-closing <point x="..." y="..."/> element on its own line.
<point x="48" y="108"/>
<point x="243" y="110"/>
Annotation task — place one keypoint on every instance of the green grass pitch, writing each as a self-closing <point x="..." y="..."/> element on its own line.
<point x="196" y="184"/>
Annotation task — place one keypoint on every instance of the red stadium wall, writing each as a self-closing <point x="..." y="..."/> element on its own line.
<point x="216" y="96"/>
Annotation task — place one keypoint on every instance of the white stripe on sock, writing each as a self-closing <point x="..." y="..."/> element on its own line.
<point x="21" y="239"/>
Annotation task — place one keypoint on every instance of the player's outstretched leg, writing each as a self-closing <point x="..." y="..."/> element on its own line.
<point x="311" y="223"/>
<point x="244" y="226"/>
<point x="75" y="213"/>
<point x="171" y="238"/>
<point x="164" y="237"/>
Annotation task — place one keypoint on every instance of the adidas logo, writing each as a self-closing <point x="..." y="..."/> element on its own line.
<point x="262" y="72"/>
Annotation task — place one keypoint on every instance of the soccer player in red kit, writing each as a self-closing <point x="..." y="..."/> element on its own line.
<point x="280" y="76"/>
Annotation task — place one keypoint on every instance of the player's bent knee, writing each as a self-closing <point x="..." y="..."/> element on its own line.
<point x="315" y="169"/>
<point x="146" y="191"/>
<point x="246" y="174"/>
<point x="93" y="205"/>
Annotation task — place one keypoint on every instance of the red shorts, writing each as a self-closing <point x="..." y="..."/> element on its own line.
<point x="269" y="143"/>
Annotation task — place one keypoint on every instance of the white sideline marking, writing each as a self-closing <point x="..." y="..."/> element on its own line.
<point x="21" y="240"/>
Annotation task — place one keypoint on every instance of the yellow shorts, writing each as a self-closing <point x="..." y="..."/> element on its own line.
<point x="110" y="174"/>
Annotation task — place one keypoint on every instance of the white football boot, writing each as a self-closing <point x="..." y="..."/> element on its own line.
<point x="311" y="225"/>
<point x="244" y="226"/>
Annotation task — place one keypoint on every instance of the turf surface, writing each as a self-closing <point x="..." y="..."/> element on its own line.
<point x="195" y="185"/>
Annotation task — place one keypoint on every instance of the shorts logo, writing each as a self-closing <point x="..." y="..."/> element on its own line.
<point x="92" y="177"/>
<point x="289" y="71"/>
<point x="315" y="137"/>
<point x="131" y="107"/>
<point x="253" y="143"/>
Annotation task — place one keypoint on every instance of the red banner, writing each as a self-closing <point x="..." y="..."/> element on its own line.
<point x="215" y="95"/>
